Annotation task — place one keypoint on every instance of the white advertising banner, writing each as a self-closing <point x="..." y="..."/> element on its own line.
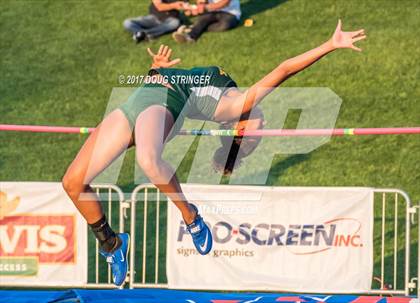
<point x="43" y="239"/>
<point x="308" y="239"/>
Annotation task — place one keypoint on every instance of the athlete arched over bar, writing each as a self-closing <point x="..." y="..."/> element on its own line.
<point x="155" y="112"/>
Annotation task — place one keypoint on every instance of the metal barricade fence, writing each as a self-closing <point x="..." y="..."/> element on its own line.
<point x="153" y="273"/>
<point x="393" y="216"/>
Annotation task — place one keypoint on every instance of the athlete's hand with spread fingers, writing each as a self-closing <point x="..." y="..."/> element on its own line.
<point x="163" y="57"/>
<point x="342" y="39"/>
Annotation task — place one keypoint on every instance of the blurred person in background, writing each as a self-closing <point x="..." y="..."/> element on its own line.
<point x="213" y="16"/>
<point x="163" y="18"/>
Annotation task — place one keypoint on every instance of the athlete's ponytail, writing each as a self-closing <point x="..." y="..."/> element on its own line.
<point x="229" y="156"/>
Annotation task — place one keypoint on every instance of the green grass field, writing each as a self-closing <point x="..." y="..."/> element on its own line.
<point x="61" y="59"/>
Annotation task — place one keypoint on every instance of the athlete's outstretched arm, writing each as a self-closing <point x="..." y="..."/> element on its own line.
<point x="294" y="65"/>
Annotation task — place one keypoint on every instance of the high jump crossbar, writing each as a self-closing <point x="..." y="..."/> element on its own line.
<point x="234" y="132"/>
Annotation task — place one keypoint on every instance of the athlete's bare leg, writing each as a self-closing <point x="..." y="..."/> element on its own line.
<point x="152" y="129"/>
<point x="103" y="146"/>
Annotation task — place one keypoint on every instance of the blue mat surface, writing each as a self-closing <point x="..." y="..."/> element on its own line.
<point x="28" y="296"/>
<point x="175" y="296"/>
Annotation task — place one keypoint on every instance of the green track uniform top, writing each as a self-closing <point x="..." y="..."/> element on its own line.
<point x="195" y="94"/>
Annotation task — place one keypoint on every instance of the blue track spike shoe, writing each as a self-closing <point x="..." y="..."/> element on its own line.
<point x="118" y="260"/>
<point x="201" y="234"/>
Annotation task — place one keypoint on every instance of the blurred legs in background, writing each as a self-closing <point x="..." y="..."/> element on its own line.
<point x="212" y="22"/>
<point x="150" y="27"/>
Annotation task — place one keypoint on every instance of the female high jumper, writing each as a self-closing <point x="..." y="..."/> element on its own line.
<point x="154" y="114"/>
